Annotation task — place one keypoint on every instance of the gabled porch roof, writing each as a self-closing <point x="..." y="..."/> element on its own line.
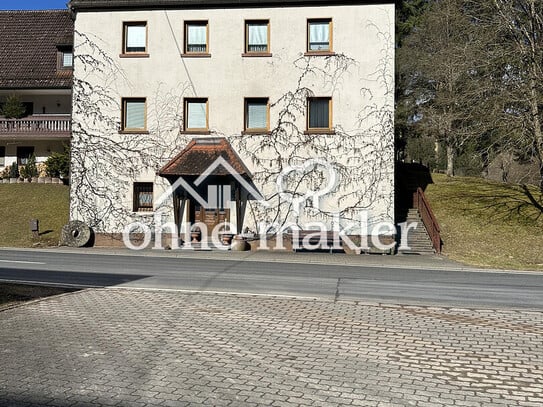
<point x="200" y="154"/>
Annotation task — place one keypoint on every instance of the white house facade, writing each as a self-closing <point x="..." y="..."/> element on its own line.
<point x="294" y="100"/>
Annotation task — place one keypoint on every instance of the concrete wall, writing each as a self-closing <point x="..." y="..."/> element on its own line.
<point x="359" y="78"/>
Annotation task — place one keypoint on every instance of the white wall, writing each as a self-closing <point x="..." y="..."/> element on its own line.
<point x="42" y="149"/>
<point x="364" y="148"/>
<point x="52" y="104"/>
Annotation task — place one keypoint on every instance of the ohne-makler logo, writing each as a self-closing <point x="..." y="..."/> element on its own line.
<point x="308" y="236"/>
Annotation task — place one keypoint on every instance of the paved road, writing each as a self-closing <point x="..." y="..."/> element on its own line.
<point x="330" y="281"/>
<point x="136" y="348"/>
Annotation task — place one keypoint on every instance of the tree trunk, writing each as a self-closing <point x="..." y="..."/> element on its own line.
<point x="534" y="95"/>
<point x="450" y="161"/>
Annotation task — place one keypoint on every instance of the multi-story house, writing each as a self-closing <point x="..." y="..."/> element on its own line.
<point x="36" y="67"/>
<point x="295" y="99"/>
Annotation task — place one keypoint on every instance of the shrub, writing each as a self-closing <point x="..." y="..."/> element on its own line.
<point x="29" y="170"/>
<point x="58" y="164"/>
<point x="14" y="171"/>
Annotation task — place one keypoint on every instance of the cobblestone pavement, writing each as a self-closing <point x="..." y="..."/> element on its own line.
<point x="137" y="348"/>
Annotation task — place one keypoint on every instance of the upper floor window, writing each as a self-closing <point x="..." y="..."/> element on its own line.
<point x="134" y="115"/>
<point x="135" y="38"/>
<point x="196" y="37"/>
<point x="319" y="114"/>
<point x="319" y="35"/>
<point x="257" y="115"/>
<point x="257" y="37"/>
<point x="65" y="57"/>
<point x="196" y="115"/>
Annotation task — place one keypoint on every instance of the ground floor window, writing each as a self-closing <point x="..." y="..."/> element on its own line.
<point x="23" y="154"/>
<point x="2" y="156"/>
<point x="143" y="197"/>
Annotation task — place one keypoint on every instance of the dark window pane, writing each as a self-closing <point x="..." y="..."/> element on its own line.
<point x="23" y="154"/>
<point x="319" y="113"/>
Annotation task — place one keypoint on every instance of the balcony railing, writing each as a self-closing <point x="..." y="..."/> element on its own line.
<point x="39" y="125"/>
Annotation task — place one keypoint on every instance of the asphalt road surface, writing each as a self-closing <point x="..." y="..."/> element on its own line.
<point x="425" y="286"/>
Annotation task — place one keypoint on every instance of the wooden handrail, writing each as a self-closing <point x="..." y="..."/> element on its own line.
<point x="37" y="124"/>
<point x="428" y="219"/>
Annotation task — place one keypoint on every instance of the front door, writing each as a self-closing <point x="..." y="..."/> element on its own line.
<point x="218" y="197"/>
<point x="211" y="217"/>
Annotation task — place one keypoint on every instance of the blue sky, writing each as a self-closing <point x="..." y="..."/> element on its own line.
<point x="32" y="4"/>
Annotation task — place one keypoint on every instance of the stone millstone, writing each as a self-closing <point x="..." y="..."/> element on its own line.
<point x="75" y="234"/>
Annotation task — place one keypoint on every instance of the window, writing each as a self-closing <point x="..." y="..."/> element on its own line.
<point x="135" y="38"/>
<point x="2" y="156"/>
<point x="65" y="57"/>
<point x="257" y="37"/>
<point x="23" y="154"/>
<point x="256" y="114"/>
<point x="196" y="37"/>
<point x="319" y="113"/>
<point x="196" y="117"/>
<point x="134" y="114"/>
<point x="67" y="60"/>
<point x="319" y="35"/>
<point x="143" y="197"/>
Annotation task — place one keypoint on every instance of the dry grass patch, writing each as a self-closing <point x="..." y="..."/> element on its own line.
<point x="489" y="224"/>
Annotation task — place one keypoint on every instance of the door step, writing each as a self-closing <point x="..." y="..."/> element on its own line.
<point x="203" y="246"/>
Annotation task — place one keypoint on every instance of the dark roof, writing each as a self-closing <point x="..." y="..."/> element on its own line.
<point x="82" y="5"/>
<point x="200" y="154"/>
<point x="28" y="48"/>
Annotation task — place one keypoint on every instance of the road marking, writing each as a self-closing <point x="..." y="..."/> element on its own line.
<point x="21" y="262"/>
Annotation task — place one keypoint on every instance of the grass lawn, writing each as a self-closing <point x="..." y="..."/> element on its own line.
<point x="19" y="203"/>
<point x="489" y="224"/>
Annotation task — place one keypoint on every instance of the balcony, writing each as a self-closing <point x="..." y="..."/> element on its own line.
<point x="55" y="126"/>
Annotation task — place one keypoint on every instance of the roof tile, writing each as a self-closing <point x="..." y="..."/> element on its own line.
<point x="28" y="48"/>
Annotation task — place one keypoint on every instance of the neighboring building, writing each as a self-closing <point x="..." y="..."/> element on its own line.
<point x="164" y="88"/>
<point x="36" y="65"/>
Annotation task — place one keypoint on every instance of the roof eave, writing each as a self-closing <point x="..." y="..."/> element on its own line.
<point x="98" y="5"/>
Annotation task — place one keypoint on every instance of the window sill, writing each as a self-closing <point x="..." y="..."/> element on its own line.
<point x="144" y="213"/>
<point x="257" y="54"/>
<point x="133" y="132"/>
<point x="319" y="131"/>
<point x="319" y="54"/>
<point x="196" y="55"/>
<point x="134" y="55"/>
<point x="256" y="132"/>
<point x="200" y="132"/>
